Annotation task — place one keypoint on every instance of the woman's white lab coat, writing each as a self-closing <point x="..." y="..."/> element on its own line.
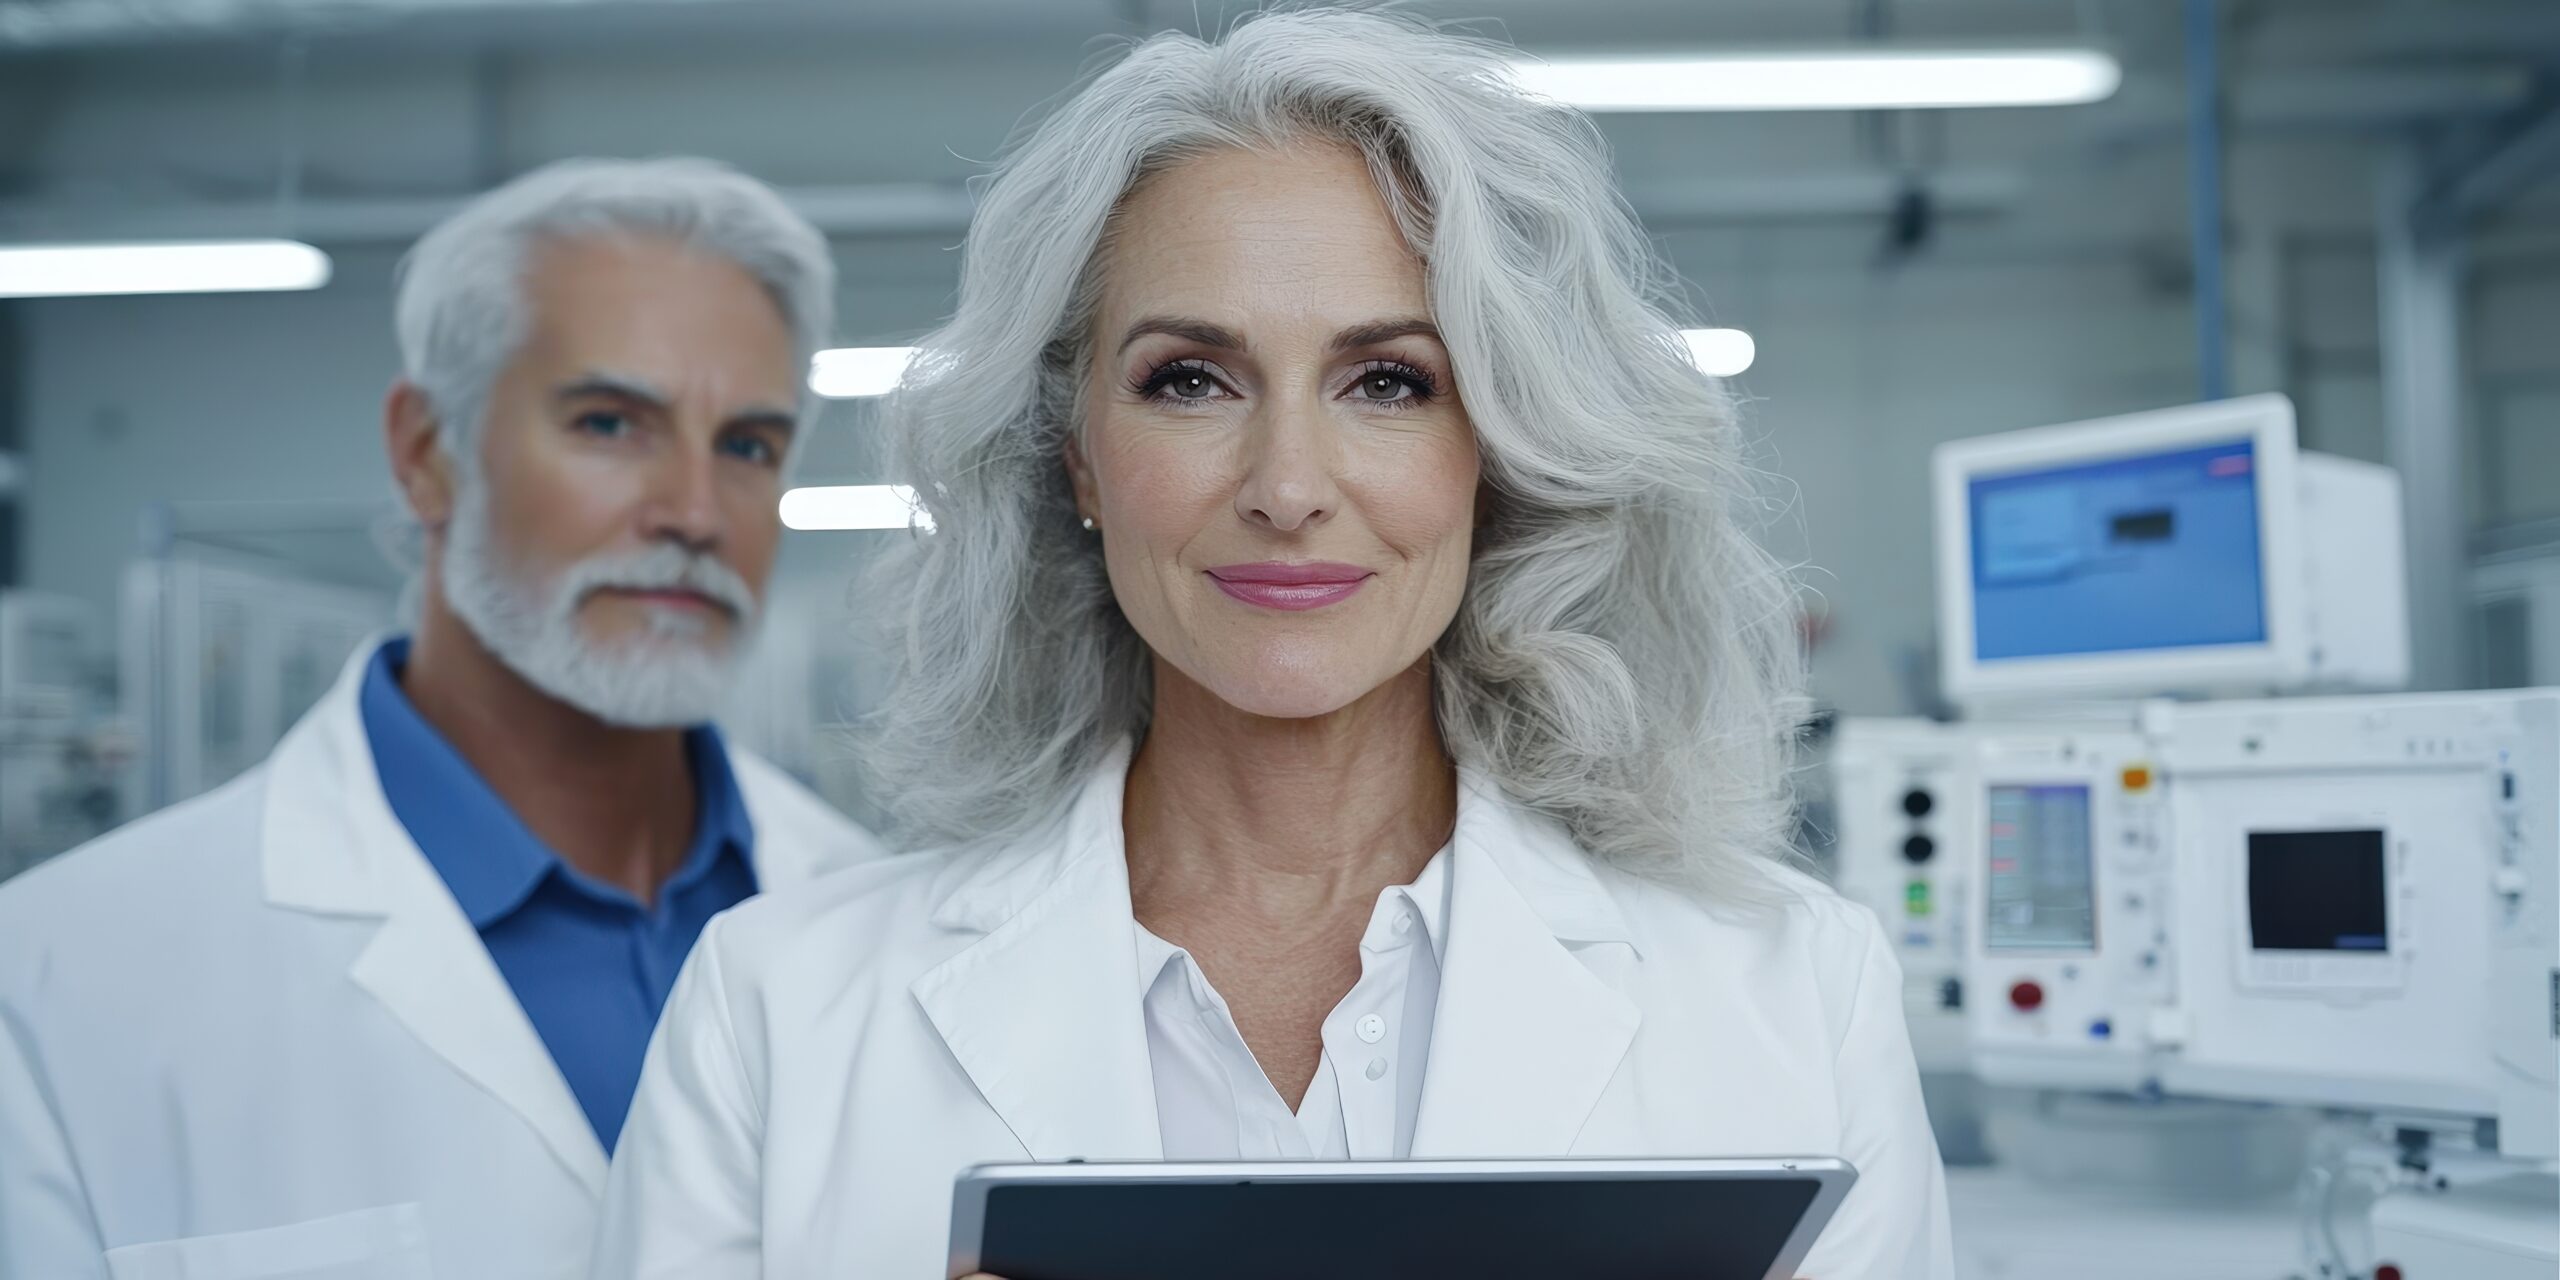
<point x="833" y="1056"/>
<point x="253" y="1036"/>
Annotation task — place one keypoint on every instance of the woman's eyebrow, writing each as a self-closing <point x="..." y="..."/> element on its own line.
<point x="1200" y="331"/>
<point x="1384" y="331"/>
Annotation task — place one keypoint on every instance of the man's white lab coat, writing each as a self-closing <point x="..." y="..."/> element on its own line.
<point x="253" y="1036"/>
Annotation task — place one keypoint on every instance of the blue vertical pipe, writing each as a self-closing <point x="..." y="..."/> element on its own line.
<point x="2204" y="194"/>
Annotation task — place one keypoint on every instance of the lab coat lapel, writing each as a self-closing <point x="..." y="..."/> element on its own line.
<point x="1044" y="1011"/>
<point x="332" y="846"/>
<point x="1527" y="1035"/>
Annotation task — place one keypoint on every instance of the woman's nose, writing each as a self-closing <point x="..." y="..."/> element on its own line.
<point x="1289" y="482"/>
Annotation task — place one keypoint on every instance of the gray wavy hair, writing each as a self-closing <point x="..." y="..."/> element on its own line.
<point x="1625" y="658"/>
<point x="461" y="310"/>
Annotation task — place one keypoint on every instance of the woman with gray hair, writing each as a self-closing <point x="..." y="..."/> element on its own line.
<point x="1354" y="711"/>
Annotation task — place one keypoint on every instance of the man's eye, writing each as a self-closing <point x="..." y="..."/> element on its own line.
<point x="753" y="449"/>
<point x="604" y="422"/>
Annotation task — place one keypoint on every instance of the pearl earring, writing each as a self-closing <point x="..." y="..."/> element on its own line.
<point x="1088" y="524"/>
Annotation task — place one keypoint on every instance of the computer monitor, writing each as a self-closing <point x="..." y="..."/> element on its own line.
<point x="2188" y="550"/>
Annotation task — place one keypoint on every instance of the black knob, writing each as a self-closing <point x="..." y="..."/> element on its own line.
<point x="1918" y="802"/>
<point x="1951" y="993"/>
<point x="1919" y="849"/>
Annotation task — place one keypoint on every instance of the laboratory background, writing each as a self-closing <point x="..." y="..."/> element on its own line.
<point x="2160" y="400"/>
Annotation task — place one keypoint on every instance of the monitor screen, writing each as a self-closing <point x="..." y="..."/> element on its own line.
<point x="2042" y="896"/>
<point x="2152" y="552"/>
<point x="2317" y="891"/>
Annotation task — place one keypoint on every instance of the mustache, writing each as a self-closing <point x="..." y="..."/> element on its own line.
<point x="660" y="568"/>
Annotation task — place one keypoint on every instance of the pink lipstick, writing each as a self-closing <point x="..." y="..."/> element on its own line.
<point x="1294" y="587"/>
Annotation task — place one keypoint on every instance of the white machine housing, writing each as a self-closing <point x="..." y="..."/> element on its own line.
<point x="2080" y="813"/>
<point x="2503" y="1230"/>
<point x="2366" y="913"/>
<point x="2334" y="608"/>
<point x="1906" y="806"/>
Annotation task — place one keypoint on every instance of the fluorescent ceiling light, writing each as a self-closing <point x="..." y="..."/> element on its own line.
<point x="854" y="506"/>
<point x="202" y="266"/>
<point x="1863" y="79"/>
<point x="846" y="373"/>
<point x="1720" y="353"/>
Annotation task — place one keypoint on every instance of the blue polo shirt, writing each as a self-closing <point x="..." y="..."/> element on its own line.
<point x="589" y="963"/>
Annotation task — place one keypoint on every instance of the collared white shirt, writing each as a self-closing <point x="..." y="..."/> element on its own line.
<point x="1213" y="1100"/>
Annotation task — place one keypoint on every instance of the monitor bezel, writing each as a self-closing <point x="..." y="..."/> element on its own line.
<point x="2266" y="422"/>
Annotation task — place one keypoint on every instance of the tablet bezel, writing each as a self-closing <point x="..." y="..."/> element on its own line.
<point x="1832" y="1178"/>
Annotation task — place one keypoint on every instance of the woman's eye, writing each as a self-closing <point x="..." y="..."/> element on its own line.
<point x="604" y="422"/>
<point x="1182" y="382"/>
<point x="1384" y="386"/>
<point x="1393" y="385"/>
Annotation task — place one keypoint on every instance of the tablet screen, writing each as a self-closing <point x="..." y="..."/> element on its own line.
<point x="1624" y="1229"/>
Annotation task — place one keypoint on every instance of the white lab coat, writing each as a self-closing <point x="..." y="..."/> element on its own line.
<point x="832" y="1057"/>
<point x="253" y="1036"/>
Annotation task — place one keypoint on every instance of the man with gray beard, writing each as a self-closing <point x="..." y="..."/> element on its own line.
<point x="377" y="1008"/>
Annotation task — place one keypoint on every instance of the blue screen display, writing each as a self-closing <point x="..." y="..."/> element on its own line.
<point x="2154" y="552"/>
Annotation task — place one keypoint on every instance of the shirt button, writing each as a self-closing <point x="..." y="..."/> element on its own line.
<point x="1377" y="1067"/>
<point x="1372" y="1028"/>
<point x="1404" y="922"/>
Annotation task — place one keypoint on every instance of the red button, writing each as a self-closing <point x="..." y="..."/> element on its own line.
<point x="2386" y="1272"/>
<point x="2028" y="996"/>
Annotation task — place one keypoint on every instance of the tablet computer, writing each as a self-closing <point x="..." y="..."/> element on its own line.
<point x="1749" y="1219"/>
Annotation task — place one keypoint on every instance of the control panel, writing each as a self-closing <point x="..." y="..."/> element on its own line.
<point x="1906" y="807"/>
<point x="2069" y="951"/>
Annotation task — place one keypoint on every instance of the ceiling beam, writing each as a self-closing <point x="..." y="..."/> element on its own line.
<point x="886" y="210"/>
<point x="2523" y="156"/>
<point x="2317" y="33"/>
<point x="2347" y="100"/>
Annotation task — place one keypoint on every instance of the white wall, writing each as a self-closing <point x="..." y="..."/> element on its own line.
<point x="248" y="397"/>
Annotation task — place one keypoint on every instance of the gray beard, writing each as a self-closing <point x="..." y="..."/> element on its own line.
<point x="674" y="676"/>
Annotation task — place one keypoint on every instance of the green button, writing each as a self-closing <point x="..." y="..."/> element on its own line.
<point x="1915" y="898"/>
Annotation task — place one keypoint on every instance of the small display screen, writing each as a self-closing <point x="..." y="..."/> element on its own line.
<point x="2042" y="895"/>
<point x="2318" y="891"/>
<point x="2152" y="552"/>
